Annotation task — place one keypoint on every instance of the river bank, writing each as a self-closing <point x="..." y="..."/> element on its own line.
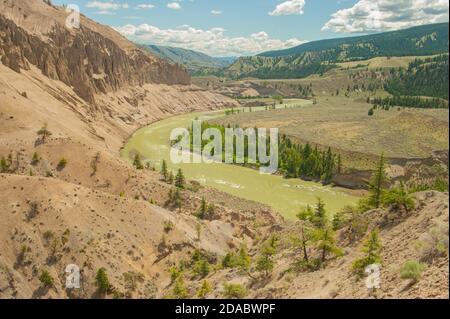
<point x="286" y="196"/>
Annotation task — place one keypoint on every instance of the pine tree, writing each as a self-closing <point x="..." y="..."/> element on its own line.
<point x="137" y="162"/>
<point x="244" y="259"/>
<point x="304" y="239"/>
<point x="326" y="243"/>
<point x="371" y="249"/>
<point x="376" y="184"/>
<point x="179" y="289"/>
<point x="319" y="218"/>
<point x="203" y="209"/>
<point x="265" y="262"/>
<point x="164" y="171"/>
<point x="180" y="180"/>
<point x="102" y="280"/>
<point x="171" y="178"/>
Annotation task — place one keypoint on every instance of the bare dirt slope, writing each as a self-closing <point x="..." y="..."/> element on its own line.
<point x="404" y="237"/>
<point x="47" y="223"/>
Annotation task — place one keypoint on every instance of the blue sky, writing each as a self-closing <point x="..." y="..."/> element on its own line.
<point x="246" y="27"/>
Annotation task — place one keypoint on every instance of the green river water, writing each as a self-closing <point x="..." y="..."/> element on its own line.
<point x="286" y="196"/>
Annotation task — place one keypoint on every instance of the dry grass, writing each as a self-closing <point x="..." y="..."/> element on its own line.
<point x="343" y="123"/>
<point x="382" y="62"/>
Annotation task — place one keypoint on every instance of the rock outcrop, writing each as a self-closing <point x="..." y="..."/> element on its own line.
<point x="83" y="58"/>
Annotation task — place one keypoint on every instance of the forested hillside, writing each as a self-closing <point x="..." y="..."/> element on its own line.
<point x="424" y="77"/>
<point x="422" y="40"/>
<point x="320" y="56"/>
<point x="194" y="61"/>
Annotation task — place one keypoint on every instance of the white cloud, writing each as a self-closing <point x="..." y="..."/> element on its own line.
<point x="108" y="5"/>
<point x="291" y="7"/>
<point x="384" y="15"/>
<point x="216" y="12"/>
<point x="174" y="6"/>
<point x="145" y="6"/>
<point x="212" y="41"/>
<point x="106" y="12"/>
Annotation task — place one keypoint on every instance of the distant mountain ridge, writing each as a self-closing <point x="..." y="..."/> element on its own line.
<point x="421" y="40"/>
<point x="319" y="56"/>
<point x="194" y="61"/>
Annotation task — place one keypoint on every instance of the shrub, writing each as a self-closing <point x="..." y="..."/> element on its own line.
<point x="339" y="220"/>
<point x="412" y="270"/>
<point x="46" y="279"/>
<point x="201" y="268"/>
<point x="352" y="221"/>
<point x="175" y="272"/>
<point x="399" y="197"/>
<point x="229" y="260"/>
<point x="234" y="291"/>
<point x="309" y="265"/>
<point x="24" y="249"/>
<point x="44" y="133"/>
<point x="179" y="290"/>
<point x="102" y="280"/>
<point x="62" y="164"/>
<point x="131" y="278"/>
<point x="434" y="243"/>
<point x="4" y="165"/>
<point x="34" y="210"/>
<point x="168" y="226"/>
<point x="94" y="163"/>
<point x="175" y="199"/>
<point x="48" y="235"/>
<point x="35" y="159"/>
<point x="205" y="211"/>
<point x="204" y="290"/>
<point x="200" y="264"/>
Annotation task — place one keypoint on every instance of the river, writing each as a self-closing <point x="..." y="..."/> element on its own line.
<point x="286" y="196"/>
